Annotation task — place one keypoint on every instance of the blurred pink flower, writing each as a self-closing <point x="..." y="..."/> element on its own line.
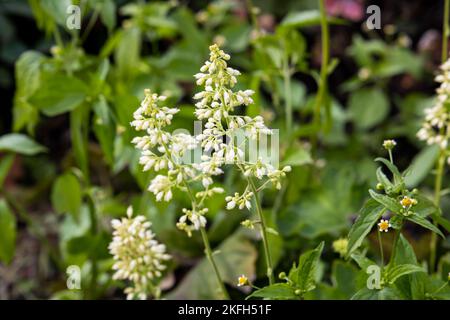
<point x="350" y="9"/>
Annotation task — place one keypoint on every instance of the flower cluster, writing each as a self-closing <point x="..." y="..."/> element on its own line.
<point x="163" y="152"/>
<point x="139" y="257"/>
<point x="436" y="127"/>
<point x="217" y="103"/>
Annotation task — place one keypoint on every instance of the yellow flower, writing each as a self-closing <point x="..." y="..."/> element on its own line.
<point x="340" y="246"/>
<point x="242" y="281"/>
<point x="384" y="225"/>
<point x="407" y="202"/>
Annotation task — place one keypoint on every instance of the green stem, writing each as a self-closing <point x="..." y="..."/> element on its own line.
<point x="94" y="230"/>
<point x="391" y="158"/>
<point x="263" y="233"/>
<point x="288" y="95"/>
<point x="380" y="243"/>
<point x="446" y="31"/>
<point x="324" y="66"/>
<point x="394" y="245"/>
<point x="437" y="200"/>
<point x="208" y="251"/>
<point x="210" y="258"/>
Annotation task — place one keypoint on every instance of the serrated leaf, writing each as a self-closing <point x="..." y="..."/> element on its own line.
<point x="368" y="216"/>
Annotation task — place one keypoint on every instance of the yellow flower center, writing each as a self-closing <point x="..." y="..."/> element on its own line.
<point x="384" y="225"/>
<point x="242" y="280"/>
<point x="406" y="202"/>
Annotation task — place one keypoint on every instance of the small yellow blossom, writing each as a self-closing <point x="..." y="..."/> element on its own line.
<point x="384" y="225"/>
<point x="407" y="202"/>
<point x="340" y="246"/>
<point x="242" y="281"/>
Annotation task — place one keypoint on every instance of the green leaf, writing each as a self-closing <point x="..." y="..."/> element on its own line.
<point x="393" y="168"/>
<point x="368" y="107"/>
<point x="386" y="201"/>
<point x="277" y="291"/>
<point x="381" y="177"/>
<point x="306" y="18"/>
<point x="5" y="164"/>
<point x="307" y="268"/>
<point x="362" y="261"/>
<point x="79" y="130"/>
<point x="369" y="215"/>
<point x="104" y="128"/>
<point x="344" y="277"/>
<point x="59" y="94"/>
<point x="20" y="143"/>
<point x="442" y="221"/>
<point x="57" y="9"/>
<point x="128" y="51"/>
<point x="7" y="233"/>
<point x="66" y="195"/>
<point x="400" y="270"/>
<point x="297" y="158"/>
<point x="372" y="294"/>
<point x="404" y="252"/>
<point x="421" y="165"/>
<point x="108" y="14"/>
<point x="424" y="223"/>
